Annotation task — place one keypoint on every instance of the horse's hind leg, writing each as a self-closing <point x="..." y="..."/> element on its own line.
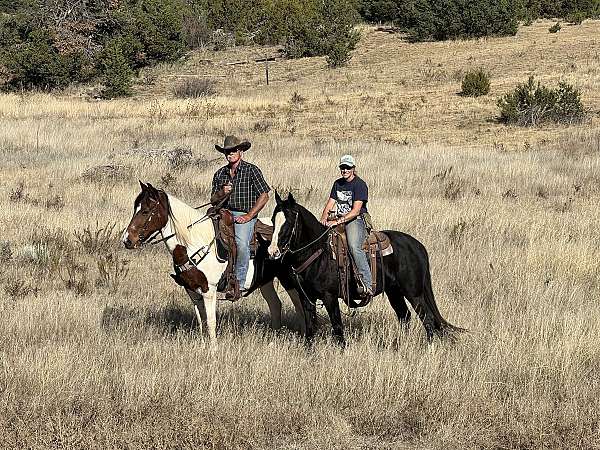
<point x="274" y="302"/>
<point x="301" y="313"/>
<point x="398" y="303"/>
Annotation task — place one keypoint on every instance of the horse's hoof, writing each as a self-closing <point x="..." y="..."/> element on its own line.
<point x="340" y="342"/>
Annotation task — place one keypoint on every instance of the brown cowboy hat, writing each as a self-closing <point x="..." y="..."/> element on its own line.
<point x="232" y="143"/>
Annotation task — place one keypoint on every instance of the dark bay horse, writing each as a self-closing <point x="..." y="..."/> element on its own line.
<point x="298" y="236"/>
<point x="160" y="215"/>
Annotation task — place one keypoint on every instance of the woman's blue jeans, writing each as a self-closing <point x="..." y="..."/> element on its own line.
<point x="356" y="233"/>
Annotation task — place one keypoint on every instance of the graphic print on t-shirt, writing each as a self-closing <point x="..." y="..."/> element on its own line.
<point x="344" y="202"/>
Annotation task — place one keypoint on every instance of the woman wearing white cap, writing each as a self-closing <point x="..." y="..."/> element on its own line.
<point x="349" y="195"/>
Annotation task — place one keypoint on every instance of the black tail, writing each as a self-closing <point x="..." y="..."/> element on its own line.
<point x="442" y="326"/>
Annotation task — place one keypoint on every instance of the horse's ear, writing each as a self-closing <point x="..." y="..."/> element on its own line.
<point x="153" y="191"/>
<point x="142" y="185"/>
<point x="277" y="198"/>
<point x="291" y="200"/>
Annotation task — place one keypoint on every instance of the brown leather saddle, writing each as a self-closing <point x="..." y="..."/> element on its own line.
<point x="226" y="249"/>
<point x="376" y="245"/>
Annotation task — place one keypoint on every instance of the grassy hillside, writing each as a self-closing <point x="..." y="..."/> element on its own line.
<point x="99" y="348"/>
<point x="393" y="90"/>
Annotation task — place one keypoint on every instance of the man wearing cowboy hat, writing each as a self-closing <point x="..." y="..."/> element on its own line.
<point x="243" y="190"/>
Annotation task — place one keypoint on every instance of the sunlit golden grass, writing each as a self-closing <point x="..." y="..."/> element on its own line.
<point x="509" y="218"/>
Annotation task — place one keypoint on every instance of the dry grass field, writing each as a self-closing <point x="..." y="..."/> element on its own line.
<point x="100" y="349"/>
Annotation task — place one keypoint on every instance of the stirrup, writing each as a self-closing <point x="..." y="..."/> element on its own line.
<point x="364" y="292"/>
<point x="233" y="292"/>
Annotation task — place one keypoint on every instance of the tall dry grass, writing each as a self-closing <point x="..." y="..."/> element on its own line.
<point x="88" y="361"/>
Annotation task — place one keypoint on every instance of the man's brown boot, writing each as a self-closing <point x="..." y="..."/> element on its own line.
<point x="233" y="291"/>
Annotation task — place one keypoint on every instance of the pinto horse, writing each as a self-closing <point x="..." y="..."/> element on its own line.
<point x="159" y="214"/>
<point x="300" y="242"/>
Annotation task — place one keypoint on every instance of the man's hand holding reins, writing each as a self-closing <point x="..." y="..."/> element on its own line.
<point x="242" y="219"/>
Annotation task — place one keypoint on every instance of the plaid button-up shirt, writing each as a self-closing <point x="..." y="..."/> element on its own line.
<point x="248" y="184"/>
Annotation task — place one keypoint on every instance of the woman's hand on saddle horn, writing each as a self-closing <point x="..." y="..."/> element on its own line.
<point x="333" y="223"/>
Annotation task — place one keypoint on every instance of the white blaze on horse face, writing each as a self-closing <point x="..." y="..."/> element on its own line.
<point x="273" y="248"/>
<point x="125" y="235"/>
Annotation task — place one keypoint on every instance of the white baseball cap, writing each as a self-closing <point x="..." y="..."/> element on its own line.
<point x="347" y="160"/>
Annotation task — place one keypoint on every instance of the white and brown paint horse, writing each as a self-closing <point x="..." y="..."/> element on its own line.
<point x="160" y="215"/>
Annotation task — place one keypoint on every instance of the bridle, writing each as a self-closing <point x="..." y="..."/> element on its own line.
<point x="152" y="238"/>
<point x="286" y="248"/>
<point x="205" y="249"/>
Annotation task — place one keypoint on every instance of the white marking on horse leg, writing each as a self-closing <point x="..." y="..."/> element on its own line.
<point x="210" y="303"/>
<point x="199" y="317"/>
<point x="273" y="249"/>
<point x="274" y="302"/>
<point x="300" y="313"/>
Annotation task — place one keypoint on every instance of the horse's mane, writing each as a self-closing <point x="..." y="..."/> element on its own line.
<point x="309" y="215"/>
<point x="182" y="215"/>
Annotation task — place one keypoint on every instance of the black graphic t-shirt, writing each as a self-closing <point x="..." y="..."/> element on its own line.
<point x="345" y="193"/>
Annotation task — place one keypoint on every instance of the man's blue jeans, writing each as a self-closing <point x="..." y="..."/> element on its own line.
<point x="356" y="232"/>
<point x="243" y="236"/>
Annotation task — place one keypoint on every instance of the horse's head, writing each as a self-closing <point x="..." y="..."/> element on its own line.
<point x="150" y="215"/>
<point x="285" y="222"/>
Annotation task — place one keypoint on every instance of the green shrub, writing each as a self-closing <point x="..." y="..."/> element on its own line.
<point x="115" y="70"/>
<point x="476" y="83"/>
<point x="195" y="29"/>
<point x="338" y="55"/>
<point x="156" y="24"/>
<point x="37" y="50"/>
<point x="562" y="9"/>
<point x="379" y="10"/>
<point x="576" y="17"/>
<point x="452" y="19"/>
<point x="322" y="28"/>
<point x="35" y="63"/>
<point x="569" y="108"/>
<point x="222" y="40"/>
<point x="554" y="28"/>
<point x="428" y="17"/>
<point x="532" y="104"/>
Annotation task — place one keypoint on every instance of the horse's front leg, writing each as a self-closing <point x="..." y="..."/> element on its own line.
<point x="199" y="307"/>
<point x="210" y="305"/>
<point x="337" y="327"/>
<point x="270" y="295"/>
<point x="205" y="307"/>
